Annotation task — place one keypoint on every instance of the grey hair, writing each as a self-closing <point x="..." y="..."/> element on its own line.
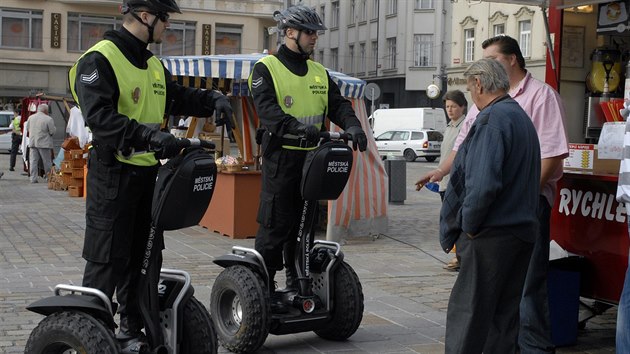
<point x="42" y="108"/>
<point x="491" y="74"/>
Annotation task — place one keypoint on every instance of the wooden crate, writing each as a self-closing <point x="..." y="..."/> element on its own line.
<point x="76" y="154"/>
<point x="75" y="191"/>
<point x="66" y="166"/>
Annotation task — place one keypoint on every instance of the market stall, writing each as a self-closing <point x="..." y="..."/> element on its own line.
<point x="362" y="207"/>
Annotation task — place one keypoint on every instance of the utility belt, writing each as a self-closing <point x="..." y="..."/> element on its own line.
<point x="298" y="144"/>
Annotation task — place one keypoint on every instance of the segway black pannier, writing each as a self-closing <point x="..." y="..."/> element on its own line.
<point x="326" y="171"/>
<point x="183" y="189"/>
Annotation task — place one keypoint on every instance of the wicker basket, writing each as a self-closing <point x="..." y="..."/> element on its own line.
<point x="233" y="168"/>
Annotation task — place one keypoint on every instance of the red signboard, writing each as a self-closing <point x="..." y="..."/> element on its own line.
<point x="588" y="221"/>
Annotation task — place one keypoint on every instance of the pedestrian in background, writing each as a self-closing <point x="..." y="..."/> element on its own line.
<point x="490" y="211"/>
<point x="16" y="139"/>
<point x="455" y="105"/>
<point x="41" y="129"/>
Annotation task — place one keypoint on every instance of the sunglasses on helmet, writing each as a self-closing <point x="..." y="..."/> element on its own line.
<point x="308" y="32"/>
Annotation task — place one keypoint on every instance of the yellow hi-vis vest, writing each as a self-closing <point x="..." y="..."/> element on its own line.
<point x="303" y="97"/>
<point x="142" y="93"/>
<point x="16" y="125"/>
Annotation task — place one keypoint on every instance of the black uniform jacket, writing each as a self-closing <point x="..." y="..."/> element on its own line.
<point x="273" y="118"/>
<point x="99" y="100"/>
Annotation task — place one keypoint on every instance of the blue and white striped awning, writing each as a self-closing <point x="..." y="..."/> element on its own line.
<point x="238" y="67"/>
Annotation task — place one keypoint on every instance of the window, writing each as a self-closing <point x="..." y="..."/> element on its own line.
<point x="228" y="39"/>
<point x="525" y="37"/>
<point x="352" y="13"/>
<point x="350" y="65"/>
<point x="417" y="136"/>
<point x="363" y="11"/>
<point x="320" y="56"/>
<point x="392" y="7"/>
<point x="21" y="29"/>
<point x="322" y="13"/>
<point x="362" y="61"/>
<point x="386" y="136"/>
<point x="334" y="59"/>
<point x="423" y="50"/>
<point x="179" y="39"/>
<point x="374" y="9"/>
<point x="400" y="135"/>
<point x="391" y="53"/>
<point x="469" y="45"/>
<point x="374" y="57"/>
<point x="84" y="30"/>
<point x="334" y="14"/>
<point x="424" y="4"/>
<point x="498" y="29"/>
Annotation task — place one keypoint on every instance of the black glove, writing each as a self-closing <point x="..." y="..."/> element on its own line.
<point x="164" y="144"/>
<point x="309" y="132"/>
<point x="358" y="137"/>
<point x="223" y="112"/>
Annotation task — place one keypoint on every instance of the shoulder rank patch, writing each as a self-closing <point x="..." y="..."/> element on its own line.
<point x="257" y="82"/>
<point x="88" y="79"/>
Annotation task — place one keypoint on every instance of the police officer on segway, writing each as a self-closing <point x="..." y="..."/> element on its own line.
<point x="293" y="95"/>
<point x="124" y="92"/>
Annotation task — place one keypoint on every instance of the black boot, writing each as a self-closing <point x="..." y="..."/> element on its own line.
<point x="275" y="299"/>
<point x="292" y="277"/>
<point x="130" y="335"/>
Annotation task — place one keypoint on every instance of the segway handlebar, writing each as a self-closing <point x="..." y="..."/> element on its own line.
<point x="186" y="142"/>
<point x="335" y="136"/>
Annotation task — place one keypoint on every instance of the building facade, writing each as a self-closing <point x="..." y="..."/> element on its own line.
<point x="476" y="21"/>
<point x="402" y="46"/>
<point x="41" y="39"/>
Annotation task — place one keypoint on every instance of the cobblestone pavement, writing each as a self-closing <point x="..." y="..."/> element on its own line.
<point x="406" y="290"/>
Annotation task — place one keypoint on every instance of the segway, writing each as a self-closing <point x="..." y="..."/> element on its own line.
<point x="329" y="298"/>
<point x="81" y="320"/>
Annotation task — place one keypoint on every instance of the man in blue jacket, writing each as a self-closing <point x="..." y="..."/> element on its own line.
<point x="489" y="210"/>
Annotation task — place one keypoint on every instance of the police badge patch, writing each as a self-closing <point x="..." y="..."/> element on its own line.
<point x="288" y="101"/>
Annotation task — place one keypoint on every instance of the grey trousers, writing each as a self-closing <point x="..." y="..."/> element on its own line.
<point x="483" y="309"/>
<point x="35" y="154"/>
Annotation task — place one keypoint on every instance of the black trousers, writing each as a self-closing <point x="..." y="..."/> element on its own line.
<point x="280" y="206"/>
<point x="16" y="140"/>
<point x="118" y="219"/>
<point x="483" y="309"/>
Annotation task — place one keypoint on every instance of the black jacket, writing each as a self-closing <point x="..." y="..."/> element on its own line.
<point x="99" y="100"/>
<point x="273" y="118"/>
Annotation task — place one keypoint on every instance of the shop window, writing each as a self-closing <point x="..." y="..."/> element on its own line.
<point x="228" y="39"/>
<point x="179" y="39"/>
<point x="21" y="29"/>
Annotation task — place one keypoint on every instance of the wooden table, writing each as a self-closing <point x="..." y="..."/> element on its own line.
<point x="234" y="206"/>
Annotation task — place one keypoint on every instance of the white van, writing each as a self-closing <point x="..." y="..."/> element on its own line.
<point x="6" y="118"/>
<point x="408" y="118"/>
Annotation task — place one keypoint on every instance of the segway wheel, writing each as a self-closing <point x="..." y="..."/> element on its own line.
<point x="239" y="305"/>
<point x="347" y="311"/>
<point x="199" y="336"/>
<point x="71" y="332"/>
